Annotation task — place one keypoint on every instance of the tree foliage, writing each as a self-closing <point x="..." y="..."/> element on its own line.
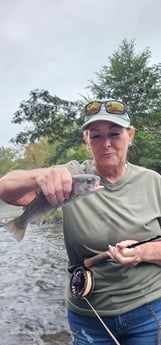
<point x="50" y="117"/>
<point x="7" y="160"/>
<point x="46" y="115"/>
<point x="36" y="154"/>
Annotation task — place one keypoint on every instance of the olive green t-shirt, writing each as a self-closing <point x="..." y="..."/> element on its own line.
<point x="126" y="210"/>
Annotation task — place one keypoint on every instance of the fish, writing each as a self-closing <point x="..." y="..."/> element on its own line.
<point x="83" y="185"/>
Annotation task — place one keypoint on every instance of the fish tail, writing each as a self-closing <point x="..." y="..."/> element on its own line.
<point x="18" y="232"/>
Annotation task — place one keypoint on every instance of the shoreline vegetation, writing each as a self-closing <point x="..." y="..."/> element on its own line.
<point x="53" y="217"/>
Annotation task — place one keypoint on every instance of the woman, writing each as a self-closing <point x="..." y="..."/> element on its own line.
<point x="126" y="296"/>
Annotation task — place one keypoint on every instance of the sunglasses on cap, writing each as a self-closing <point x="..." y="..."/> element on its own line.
<point x="111" y="107"/>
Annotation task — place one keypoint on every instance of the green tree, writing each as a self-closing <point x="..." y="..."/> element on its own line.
<point x="36" y="154"/>
<point x="47" y="116"/>
<point x="7" y="160"/>
<point x="129" y="77"/>
<point x="75" y="153"/>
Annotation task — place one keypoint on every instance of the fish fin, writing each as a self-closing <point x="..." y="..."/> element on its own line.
<point x="17" y="232"/>
<point x="38" y="220"/>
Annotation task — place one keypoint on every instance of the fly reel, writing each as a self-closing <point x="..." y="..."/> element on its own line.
<point x="81" y="283"/>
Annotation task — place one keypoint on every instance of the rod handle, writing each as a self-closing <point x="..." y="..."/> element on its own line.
<point x="89" y="262"/>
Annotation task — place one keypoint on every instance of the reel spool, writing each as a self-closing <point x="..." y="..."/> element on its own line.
<point x="81" y="283"/>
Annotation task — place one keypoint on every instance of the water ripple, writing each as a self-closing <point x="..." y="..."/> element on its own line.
<point x="32" y="276"/>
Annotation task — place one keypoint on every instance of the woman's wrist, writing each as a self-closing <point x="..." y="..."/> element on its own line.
<point x="151" y="252"/>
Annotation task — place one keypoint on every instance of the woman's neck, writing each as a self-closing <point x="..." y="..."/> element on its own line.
<point x="113" y="174"/>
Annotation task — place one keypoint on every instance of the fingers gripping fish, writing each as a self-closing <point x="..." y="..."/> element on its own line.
<point x="83" y="185"/>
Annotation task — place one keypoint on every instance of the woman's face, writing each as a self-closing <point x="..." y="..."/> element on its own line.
<point x="108" y="144"/>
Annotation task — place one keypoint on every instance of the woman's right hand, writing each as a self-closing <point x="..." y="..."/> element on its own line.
<point x="55" y="183"/>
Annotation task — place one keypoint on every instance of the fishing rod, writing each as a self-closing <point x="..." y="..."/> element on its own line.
<point x="89" y="262"/>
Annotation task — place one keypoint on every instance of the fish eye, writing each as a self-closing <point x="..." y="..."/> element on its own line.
<point x="90" y="180"/>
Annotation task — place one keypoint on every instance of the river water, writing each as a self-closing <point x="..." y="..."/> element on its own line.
<point x="32" y="283"/>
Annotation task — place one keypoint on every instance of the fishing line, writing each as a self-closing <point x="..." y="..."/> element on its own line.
<point x="102" y="322"/>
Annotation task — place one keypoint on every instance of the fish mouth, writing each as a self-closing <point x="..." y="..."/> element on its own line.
<point x="97" y="185"/>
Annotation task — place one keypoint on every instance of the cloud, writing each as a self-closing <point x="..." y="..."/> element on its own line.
<point x="59" y="45"/>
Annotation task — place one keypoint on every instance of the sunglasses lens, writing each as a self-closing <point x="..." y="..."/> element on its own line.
<point x="115" y="107"/>
<point x="112" y="107"/>
<point x="92" y="108"/>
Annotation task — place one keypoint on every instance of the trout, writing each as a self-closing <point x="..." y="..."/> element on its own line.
<point x="83" y="185"/>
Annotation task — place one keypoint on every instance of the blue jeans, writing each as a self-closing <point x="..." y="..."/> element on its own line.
<point x="141" y="326"/>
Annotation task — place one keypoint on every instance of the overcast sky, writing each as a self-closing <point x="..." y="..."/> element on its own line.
<point x="58" y="45"/>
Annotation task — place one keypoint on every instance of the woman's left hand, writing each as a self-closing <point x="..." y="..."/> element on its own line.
<point x="125" y="256"/>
